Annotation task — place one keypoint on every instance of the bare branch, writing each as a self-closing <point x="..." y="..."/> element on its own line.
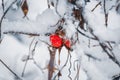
<point x="39" y="67"/>
<point x="93" y="57"/>
<point x="62" y="66"/>
<point x="4" y="15"/>
<point x="78" y="70"/>
<point x="57" y="1"/>
<point x="17" y="77"/>
<point x="116" y="77"/>
<point x="3" y="6"/>
<point x="26" y="33"/>
<point x="106" y="50"/>
<point x="92" y="38"/>
<point x="96" y="6"/>
<point x="48" y="3"/>
<point x="85" y="34"/>
<point x="105" y="12"/>
<point x="27" y="57"/>
<point x="69" y="69"/>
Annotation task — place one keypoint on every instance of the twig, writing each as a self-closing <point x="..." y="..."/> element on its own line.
<point x="33" y="51"/>
<point x="113" y="58"/>
<point x="107" y="50"/>
<point x="117" y="7"/>
<point x="85" y="34"/>
<point x="91" y="56"/>
<point x="57" y="1"/>
<point x="4" y="15"/>
<point x="89" y="43"/>
<point x="3" y="6"/>
<point x="65" y="62"/>
<point x="116" y="77"/>
<point x="45" y="42"/>
<point x="62" y="66"/>
<point x="88" y="75"/>
<point x="51" y="66"/>
<point x="105" y="12"/>
<point x="93" y="38"/>
<point x="48" y="3"/>
<point x="27" y="57"/>
<point x="10" y="70"/>
<point x="78" y="71"/>
<point x="37" y="65"/>
<point x="74" y="63"/>
<point x="111" y="48"/>
<point x="26" y="33"/>
<point x="103" y="46"/>
<point x="96" y="6"/>
<point x="69" y="69"/>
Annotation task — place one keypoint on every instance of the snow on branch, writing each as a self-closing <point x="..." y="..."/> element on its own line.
<point x="37" y="28"/>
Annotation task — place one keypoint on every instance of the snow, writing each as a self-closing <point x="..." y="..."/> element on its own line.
<point x="36" y="7"/>
<point x="62" y="7"/>
<point x="38" y="26"/>
<point x="94" y="63"/>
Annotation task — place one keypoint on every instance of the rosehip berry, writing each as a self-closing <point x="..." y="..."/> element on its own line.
<point x="55" y="40"/>
<point x="67" y="43"/>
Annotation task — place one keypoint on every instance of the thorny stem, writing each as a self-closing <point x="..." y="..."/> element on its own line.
<point x="4" y="16"/>
<point x="27" y="57"/>
<point x="10" y="70"/>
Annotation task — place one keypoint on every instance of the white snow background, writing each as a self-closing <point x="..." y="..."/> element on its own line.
<point x="13" y="48"/>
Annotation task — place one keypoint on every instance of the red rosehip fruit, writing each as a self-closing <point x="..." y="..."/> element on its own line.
<point x="67" y="43"/>
<point x="55" y="40"/>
